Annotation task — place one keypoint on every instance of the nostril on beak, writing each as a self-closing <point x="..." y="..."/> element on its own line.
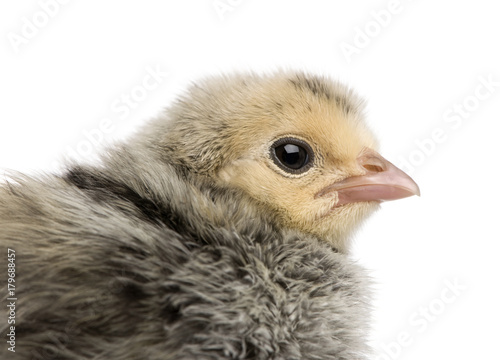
<point x="373" y="167"/>
<point x="373" y="162"/>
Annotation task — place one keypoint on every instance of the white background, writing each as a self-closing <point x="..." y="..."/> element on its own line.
<point x="416" y="62"/>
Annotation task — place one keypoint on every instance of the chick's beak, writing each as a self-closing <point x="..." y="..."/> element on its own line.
<point x="382" y="182"/>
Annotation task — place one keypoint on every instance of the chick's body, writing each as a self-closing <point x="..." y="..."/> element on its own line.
<point x="192" y="240"/>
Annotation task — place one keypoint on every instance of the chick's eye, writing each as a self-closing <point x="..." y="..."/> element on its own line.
<point x="292" y="155"/>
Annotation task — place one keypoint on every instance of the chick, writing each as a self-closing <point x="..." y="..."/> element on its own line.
<point x="219" y="231"/>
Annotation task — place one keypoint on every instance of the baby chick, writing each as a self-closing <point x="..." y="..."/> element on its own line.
<point x="219" y="231"/>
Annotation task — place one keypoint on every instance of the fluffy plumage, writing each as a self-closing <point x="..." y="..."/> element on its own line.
<point x="188" y="242"/>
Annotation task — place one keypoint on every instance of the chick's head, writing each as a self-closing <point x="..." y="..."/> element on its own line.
<point x="296" y="144"/>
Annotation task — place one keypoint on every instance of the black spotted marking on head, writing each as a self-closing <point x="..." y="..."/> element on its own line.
<point x="314" y="84"/>
<point x="319" y="87"/>
<point x="343" y="103"/>
<point x="121" y="197"/>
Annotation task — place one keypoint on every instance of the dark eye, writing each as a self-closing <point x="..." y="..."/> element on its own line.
<point x="292" y="155"/>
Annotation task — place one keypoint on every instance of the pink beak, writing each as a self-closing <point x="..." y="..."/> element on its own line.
<point x="382" y="182"/>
